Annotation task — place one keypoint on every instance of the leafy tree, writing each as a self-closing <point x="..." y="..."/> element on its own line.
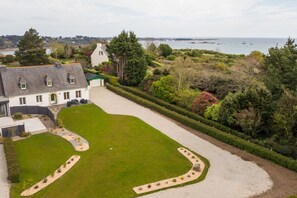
<point x="184" y="97"/>
<point x="32" y="49"/>
<point x="183" y="72"/>
<point x="281" y="67"/>
<point x="212" y="112"/>
<point x="164" y="88"/>
<point x="250" y="110"/>
<point x="146" y="83"/>
<point x="203" y="101"/>
<point x="125" y="49"/>
<point x="285" y="115"/>
<point x="165" y="50"/>
<point x="135" y="71"/>
<point x="152" y="48"/>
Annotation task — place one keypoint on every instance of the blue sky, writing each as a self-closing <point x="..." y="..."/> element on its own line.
<point x="152" y="18"/>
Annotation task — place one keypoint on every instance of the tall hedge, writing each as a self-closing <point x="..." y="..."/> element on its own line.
<point x="211" y="131"/>
<point x="11" y="160"/>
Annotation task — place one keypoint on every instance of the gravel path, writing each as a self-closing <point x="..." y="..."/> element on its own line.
<point x="4" y="185"/>
<point x="229" y="175"/>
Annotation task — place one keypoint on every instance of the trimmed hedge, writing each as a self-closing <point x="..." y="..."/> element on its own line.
<point x="184" y="112"/>
<point x="211" y="131"/>
<point x="11" y="160"/>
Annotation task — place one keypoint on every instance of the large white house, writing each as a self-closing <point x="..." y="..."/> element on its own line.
<point x="99" y="55"/>
<point x="40" y="86"/>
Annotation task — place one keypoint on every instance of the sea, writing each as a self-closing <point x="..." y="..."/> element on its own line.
<point x="225" y="45"/>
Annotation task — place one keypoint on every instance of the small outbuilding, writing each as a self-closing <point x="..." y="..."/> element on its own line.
<point x="94" y="80"/>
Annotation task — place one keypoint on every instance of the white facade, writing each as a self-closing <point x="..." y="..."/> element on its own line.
<point x="97" y="83"/>
<point x="99" y="55"/>
<point x="49" y="99"/>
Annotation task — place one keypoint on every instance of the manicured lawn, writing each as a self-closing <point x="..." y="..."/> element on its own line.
<point x="124" y="152"/>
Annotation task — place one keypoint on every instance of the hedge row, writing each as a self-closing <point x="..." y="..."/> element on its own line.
<point x="185" y="112"/>
<point x="211" y="131"/>
<point x="278" y="148"/>
<point x="11" y="160"/>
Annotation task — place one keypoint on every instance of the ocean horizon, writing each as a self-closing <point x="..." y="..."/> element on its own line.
<point x="223" y="44"/>
<point x="226" y="45"/>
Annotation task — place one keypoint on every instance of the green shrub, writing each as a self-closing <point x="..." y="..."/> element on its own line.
<point x="171" y="57"/>
<point x="25" y="134"/>
<point x="157" y="64"/>
<point x="110" y="79"/>
<point x="214" y="132"/>
<point x="59" y="123"/>
<point x="18" y="116"/>
<point x="11" y="160"/>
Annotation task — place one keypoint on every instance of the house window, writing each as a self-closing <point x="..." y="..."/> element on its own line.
<point x="78" y="94"/>
<point x="23" y="86"/>
<point x="100" y="53"/>
<point x="66" y="95"/>
<point x="22" y="101"/>
<point x="71" y="80"/>
<point x="49" y="83"/>
<point x="39" y="98"/>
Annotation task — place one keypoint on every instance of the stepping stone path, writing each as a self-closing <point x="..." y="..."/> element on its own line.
<point x="192" y="174"/>
<point x="78" y="142"/>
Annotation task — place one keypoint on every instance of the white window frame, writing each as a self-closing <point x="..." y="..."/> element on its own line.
<point x="49" y="83"/>
<point x="23" y="85"/>
<point x="22" y="100"/>
<point x="71" y="81"/>
<point x="78" y="94"/>
<point x="66" y="95"/>
<point x="39" y="98"/>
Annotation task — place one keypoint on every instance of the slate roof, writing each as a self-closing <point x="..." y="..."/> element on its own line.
<point x="90" y="76"/>
<point x="35" y="78"/>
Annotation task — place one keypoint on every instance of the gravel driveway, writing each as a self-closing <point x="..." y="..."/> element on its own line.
<point x="229" y="176"/>
<point x="4" y="185"/>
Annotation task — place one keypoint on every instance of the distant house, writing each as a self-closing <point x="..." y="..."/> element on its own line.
<point x="27" y="88"/>
<point x="99" y="55"/>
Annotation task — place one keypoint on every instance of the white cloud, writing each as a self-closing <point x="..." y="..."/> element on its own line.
<point x="244" y="18"/>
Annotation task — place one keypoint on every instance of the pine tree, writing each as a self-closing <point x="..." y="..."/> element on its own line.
<point x="32" y="49"/>
<point x="128" y="55"/>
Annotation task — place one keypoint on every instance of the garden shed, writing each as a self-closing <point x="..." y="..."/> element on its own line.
<point x="94" y="80"/>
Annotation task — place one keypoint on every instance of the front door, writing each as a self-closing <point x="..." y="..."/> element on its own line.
<point x="53" y="98"/>
<point x="3" y="109"/>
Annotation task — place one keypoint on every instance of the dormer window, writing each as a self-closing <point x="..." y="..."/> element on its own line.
<point x="71" y="79"/>
<point x="48" y="81"/>
<point x="22" y="83"/>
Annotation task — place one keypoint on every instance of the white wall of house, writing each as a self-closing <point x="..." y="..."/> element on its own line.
<point x="98" y="56"/>
<point x="31" y="100"/>
<point x="97" y="83"/>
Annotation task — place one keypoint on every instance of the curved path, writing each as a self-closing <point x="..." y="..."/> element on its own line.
<point x="229" y="175"/>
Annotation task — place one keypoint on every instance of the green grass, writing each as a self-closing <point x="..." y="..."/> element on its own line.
<point x="140" y="154"/>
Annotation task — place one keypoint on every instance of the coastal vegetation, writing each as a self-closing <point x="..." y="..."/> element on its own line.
<point x="254" y="95"/>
